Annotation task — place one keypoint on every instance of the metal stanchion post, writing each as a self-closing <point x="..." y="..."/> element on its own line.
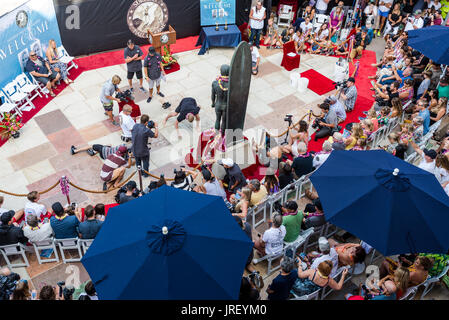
<point x="139" y="170"/>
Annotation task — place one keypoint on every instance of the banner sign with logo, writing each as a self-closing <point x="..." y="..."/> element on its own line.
<point x="108" y="24"/>
<point x="27" y="28"/>
<point x="217" y="11"/>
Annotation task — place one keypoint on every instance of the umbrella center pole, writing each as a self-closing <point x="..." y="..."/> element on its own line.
<point x="164" y="230"/>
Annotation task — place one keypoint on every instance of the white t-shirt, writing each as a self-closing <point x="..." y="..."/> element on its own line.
<point x="428" y="166"/>
<point x="384" y="8"/>
<point x="332" y="256"/>
<point x="43" y="233"/>
<point x="441" y="174"/>
<point x="274" y="240"/>
<point x="321" y="5"/>
<point x="324" y="34"/>
<point x="34" y="208"/>
<point x="254" y="24"/>
<point x="433" y="4"/>
<point x="446" y="189"/>
<point x="304" y="27"/>
<point x="255" y="54"/>
<point x="419" y="23"/>
<point x="319" y="159"/>
<point x="126" y="123"/>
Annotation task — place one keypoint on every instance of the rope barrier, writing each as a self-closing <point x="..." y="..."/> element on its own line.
<point x="107" y="191"/>
<point x="167" y="179"/>
<point x="26" y="194"/>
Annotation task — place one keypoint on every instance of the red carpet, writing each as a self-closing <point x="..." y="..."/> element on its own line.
<point x="101" y="60"/>
<point x="317" y="82"/>
<point x="364" y="99"/>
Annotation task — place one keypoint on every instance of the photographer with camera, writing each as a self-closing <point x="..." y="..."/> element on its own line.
<point x="107" y="98"/>
<point x="415" y="22"/>
<point x="183" y="181"/>
<point x="326" y="125"/>
<point x="140" y="134"/>
<point x="337" y="106"/>
<point x="349" y="94"/>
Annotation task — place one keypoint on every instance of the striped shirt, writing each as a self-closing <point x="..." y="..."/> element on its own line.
<point x="113" y="162"/>
<point x="107" y="151"/>
<point x="184" y="185"/>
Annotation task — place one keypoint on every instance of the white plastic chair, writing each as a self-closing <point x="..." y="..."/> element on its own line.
<point x="42" y="88"/>
<point x="69" y="244"/>
<point x="319" y="19"/>
<point x="254" y="212"/>
<point x="430" y="282"/>
<point x="17" y="249"/>
<point x="27" y="86"/>
<point x="317" y="231"/>
<point x="20" y="98"/>
<point x="270" y="258"/>
<point x="7" y="106"/>
<point x="45" y="245"/>
<point x="312" y="296"/>
<point x="64" y="57"/>
<point x="85" y="244"/>
<point x="300" y="240"/>
<point x="410" y="293"/>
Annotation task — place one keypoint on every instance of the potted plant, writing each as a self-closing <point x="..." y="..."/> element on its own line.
<point x="167" y="58"/>
<point x="10" y="126"/>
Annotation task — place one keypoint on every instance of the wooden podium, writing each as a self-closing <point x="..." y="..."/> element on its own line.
<point x="158" y="40"/>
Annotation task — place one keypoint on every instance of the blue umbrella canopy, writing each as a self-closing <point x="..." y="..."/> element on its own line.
<point x="394" y="206"/>
<point x="169" y="244"/>
<point x="432" y="42"/>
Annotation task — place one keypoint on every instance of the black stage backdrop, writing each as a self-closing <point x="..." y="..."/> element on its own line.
<point x="103" y="23"/>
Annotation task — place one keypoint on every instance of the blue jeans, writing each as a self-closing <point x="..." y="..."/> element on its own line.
<point x="255" y="36"/>
<point x="146" y="164"/>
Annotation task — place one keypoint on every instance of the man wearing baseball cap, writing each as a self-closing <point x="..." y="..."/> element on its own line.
<point x="415" y="22"/>
<point x="114" y="168"/>
<point x="153" y="71"/>
<point x="349" y="94"/>
<point x="428" y="158"/>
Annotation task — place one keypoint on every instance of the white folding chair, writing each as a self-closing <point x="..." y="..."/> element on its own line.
<point x="26" y="86"/>
<point x="312" y="296"/>
<point x="17" y="249"/>
<point x="254" y="212"/>
<point x="42" y="88"/>
<point x="85" y="244"/>
<point x="270" y="258"/>
<point x="327" y="290"/>
<point x="64" y="57"/>
<point x="69" y="244"/>
<point x="7" y="106"/>
<point x="319" y="20"/>
<point x="431" y="281"/>
<point x="45" y="245"/>
<point x="410" y="293"/>
<point x="277" y="197"/>
<point x="17" y="96"/>
<point x="300" y="240"/>
<point x="328" y="233"/>
<point x="318" y="232"/>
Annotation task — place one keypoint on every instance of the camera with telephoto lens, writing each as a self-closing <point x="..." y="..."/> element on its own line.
<point x="341" y="84"/>
<point x="175" y="171"/>
<point x="124" y="96"/>
<point x="288" y="118"/>
<point x="150" y="124"/>
<point x="316" y="123"/>
<point x="277" y="207"/>
<point x="66" y="291"/>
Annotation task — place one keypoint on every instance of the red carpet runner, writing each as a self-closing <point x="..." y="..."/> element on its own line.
<point x="317" y="82"/>
<point x="364" y="99"/>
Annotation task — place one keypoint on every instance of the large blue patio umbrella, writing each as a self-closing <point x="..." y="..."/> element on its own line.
<point x="169" y="244"/>
<point x="432" y="42"/>
<point x="392" y="205"/>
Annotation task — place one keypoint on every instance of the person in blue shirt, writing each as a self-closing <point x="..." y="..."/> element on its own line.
<point x="424" y="114"/>
<point x="89" y="228"/>
<point x="280" y="288"/>
<point x="63" y="225"/>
